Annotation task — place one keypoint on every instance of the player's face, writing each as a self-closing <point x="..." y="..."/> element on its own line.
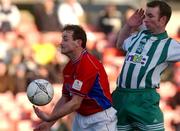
<point x="152" y="20"/>
<point x="67" y="43"/>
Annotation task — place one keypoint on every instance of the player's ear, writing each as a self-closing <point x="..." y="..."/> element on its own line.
<point x="163" y="20"/>
<point x="79" y="42"/>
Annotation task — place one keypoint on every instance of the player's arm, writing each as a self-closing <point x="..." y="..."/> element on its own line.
<point x="67" y="108"/>
<point x="47" y="125"/>
<point x="61" y="109"/>
<point x="132" y="23"/>
<point x="60" y="104"/>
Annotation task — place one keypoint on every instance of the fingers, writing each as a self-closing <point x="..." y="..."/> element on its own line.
<point x="140" y="16"/>
<point x="141" y="13"/>
<point x="37" y="112"/>
<point x="36" y="109"/>
<point x="41" y="129"/>
<point x="38" y="128"/>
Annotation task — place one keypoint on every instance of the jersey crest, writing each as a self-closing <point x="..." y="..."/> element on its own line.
<point x="77" y="85"/>
<point x="137" y="59"/>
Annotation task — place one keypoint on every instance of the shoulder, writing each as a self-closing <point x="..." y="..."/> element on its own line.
<point x="64" y="6"/>
<point x="174" y="43"/>
<point x="138" y="33"/>
<point x="90" y="61"/>
<point x="67" y="67"/>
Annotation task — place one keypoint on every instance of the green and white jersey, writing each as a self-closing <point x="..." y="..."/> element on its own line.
<point x="147" y="57"/>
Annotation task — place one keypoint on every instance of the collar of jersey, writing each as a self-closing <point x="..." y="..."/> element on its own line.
<point x="79" y="58"/>
<point x="160" y="36"/>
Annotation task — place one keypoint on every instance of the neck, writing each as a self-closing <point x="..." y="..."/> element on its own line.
<point x="75" y="55"/>
<point x="158" y="31"/>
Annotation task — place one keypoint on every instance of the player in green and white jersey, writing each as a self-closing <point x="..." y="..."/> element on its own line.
<point x="148" y="53"/>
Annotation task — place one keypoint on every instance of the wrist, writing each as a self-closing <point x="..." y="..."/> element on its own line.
<point x="51" y="123"/>
<point x="128" y="26"/>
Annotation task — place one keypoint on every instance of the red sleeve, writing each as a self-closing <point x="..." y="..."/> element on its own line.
<point x="65" y="90"/>
<point x="85" y="78"/>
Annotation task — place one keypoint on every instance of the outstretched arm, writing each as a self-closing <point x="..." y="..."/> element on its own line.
<point x="132" y="23"/>
<point x="45" y="126"/>
<point x="60" y="109"/>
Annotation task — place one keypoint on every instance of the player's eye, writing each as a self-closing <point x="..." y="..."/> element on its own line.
<point x="149" y="15"/>
<point x="64" y="39"/>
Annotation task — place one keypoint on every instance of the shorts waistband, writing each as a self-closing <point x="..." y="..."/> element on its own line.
<point x="135" y="90"/>
<point x="110" y="110"/>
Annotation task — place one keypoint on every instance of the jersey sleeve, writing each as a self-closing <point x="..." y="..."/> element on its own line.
<point x="83" y="84"/>
<point x="127" y="42"/>
<point x="65" y="89"/>
<point x="85" y="78"/>
<point x="174" y="51"/>
<point x="66" y="81"/>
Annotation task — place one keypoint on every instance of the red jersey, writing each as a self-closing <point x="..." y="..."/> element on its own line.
<point x="86" y="77"/>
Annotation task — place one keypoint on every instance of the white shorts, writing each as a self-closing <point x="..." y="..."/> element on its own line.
<point x="102" y="121"/>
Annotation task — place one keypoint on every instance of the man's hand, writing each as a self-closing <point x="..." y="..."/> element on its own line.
<point x="42" y="115"/>
<point x="136" y="19"/>
<point x="44" y="126"/>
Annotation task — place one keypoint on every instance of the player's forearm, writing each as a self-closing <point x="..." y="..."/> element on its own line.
<point x="123" y="34"/>
<point x="58" y="105"/>
<point x="67" y="108"/>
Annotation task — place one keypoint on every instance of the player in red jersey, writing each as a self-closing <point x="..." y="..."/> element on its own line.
<point x="85" y="88"/>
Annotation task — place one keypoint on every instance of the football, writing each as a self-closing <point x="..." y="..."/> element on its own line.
<point x="40" y="92"/>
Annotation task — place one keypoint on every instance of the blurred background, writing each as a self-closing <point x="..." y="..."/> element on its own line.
<point x="30" y="33"/>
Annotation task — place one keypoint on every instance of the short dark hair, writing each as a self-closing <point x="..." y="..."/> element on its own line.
<point x="165" y="9"/>
<point x="78" y="33"/>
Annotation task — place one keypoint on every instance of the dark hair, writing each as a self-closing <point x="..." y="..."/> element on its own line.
<point x="78" y="33"/>
<point x="165" y="9"/>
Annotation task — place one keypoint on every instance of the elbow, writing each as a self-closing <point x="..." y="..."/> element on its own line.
<point x="76" y="104"/>
<point x="118" y="46"/>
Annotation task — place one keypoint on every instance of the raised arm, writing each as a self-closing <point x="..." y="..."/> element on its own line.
<point x="132" y="23"/>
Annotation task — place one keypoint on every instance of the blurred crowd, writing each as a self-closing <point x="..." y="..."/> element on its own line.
<point x="29" y="49"/>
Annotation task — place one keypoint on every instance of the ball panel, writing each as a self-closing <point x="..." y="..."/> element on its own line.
<point x="41" y="99"/>
<point x="40" y="92"/>
<point x="50" y="90"/>
<point x="31" y="89"/>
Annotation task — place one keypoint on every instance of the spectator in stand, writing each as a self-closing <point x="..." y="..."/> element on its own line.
<point x="177" y="36"/>
<point x="109" y="22"/>
<point x="46" y="16"/>
<point x="110" y="19"/>
<point x="6" y="82"/>
<point x="176" y="121"/>
<point x="9" y="16"/>
<point x="4" y="47"/>
<point x="71" y="12"/>
<point x="176" y="74"/>
<point x="39" y="49"/>
<point x="20" y="79"/>
<point x="128" y="13"/>
<point x="15" y="60"/>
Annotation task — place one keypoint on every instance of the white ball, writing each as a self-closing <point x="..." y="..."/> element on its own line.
<point x="40" y="92"/>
